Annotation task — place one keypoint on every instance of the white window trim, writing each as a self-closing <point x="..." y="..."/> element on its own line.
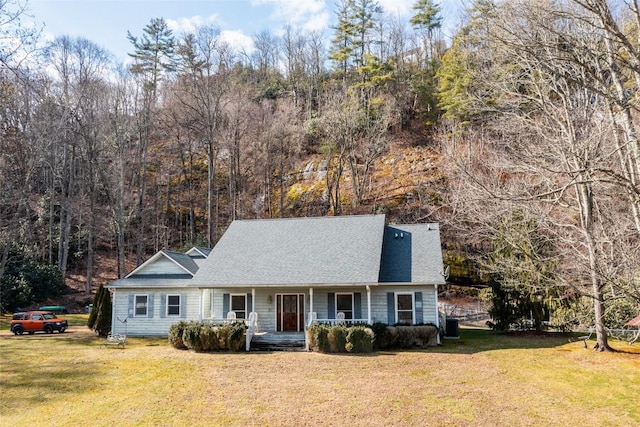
<point x="146" y="305"/>
<point x="352" y="304"/>
<point x="413" y="306"/>
<point x="179" y="305"/>
<point x="246" y="313"/>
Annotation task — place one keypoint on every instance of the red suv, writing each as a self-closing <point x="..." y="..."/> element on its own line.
<point x="32" y="321"/>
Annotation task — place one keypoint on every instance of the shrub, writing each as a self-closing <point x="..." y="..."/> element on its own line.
<point x="319" y="338"/>
<point x="381" y="336"/>
<point x="337" y="339"/>
<point x="311" y="338"/>
<point x="340" y="339"/>
<point x="204" y="336"/>
<point x="175" y="335"/>
<point x="359" y="340"/>
<point x="413" y="336"/>
<point x="26" y="280"/>
<point x="235" y="336"/>
<point x="191" y="336"/>
<point x="209" y="338"/>
<point x="100" y="317"/>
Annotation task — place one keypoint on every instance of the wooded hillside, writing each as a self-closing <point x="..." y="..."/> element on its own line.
<point x="519" y="135"/>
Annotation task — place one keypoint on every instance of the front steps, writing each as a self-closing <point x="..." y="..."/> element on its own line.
<point x="278" y="341"/>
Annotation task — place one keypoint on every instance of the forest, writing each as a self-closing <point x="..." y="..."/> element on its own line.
<point x="518" y="135"/>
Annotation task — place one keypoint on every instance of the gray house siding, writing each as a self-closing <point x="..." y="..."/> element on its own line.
<point x="380" y="308"/>
<point x="156" y="322"/>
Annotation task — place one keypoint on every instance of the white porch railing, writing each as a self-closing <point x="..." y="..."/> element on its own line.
<point x="339" y="320"/>
<point x="252" y="327"/>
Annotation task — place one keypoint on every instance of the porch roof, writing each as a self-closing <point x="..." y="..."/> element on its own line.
<point x="633" y="322"/>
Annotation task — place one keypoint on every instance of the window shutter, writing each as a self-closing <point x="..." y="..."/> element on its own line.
<point x="183" y="306"/>
<point x="225" y="305"/>
<point x="357" y="305"/>
<point x="163" y="305"/>
<point x="391" y="308"/>
<point x="331" y="305"/>
<point x="130" y="311"/>
<point x="418" y="308"/>
<point x="150" y="305"/>
<point x="249" y="304"/>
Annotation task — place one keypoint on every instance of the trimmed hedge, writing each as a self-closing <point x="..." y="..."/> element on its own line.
<point x="340" y="339"/>
<point x="365" y="339"/>
<point x="207" y="336"/>
<point x="420" y="336"/>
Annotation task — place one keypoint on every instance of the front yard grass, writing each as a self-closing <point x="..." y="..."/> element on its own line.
<point x="482" y="379"/>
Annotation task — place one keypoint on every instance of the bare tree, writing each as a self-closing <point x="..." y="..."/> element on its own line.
<point x="203" y="85"/>
<point x="79" y="111"/>
<point x="548" y="92"/>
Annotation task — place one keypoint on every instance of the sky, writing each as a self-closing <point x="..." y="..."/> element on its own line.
<point x="106" y="22"/>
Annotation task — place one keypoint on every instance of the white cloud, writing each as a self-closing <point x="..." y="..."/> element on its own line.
<point x="235" y="38"/>
<point x="238" y="40"/>
<point x="305" y="14"/>
<point x="317" y="22"/>
<point x="397" y="7"/>
<point x="189" y="25"/>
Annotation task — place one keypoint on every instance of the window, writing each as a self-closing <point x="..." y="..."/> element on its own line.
<point x="344" y="304"/>
<point x="141" y="304"/>
<point x="404" y="308"/>
<point x="239" y="305"/>
<point x="173" y="305"/>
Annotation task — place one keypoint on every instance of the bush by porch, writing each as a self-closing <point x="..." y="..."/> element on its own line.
<point x="208" y="336"/>
<point x="365" y="339"/>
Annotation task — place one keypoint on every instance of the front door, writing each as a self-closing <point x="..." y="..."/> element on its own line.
<point x="290" y="312"/>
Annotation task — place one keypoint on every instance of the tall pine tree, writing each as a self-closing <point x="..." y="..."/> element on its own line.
<point x="154" y="53"/>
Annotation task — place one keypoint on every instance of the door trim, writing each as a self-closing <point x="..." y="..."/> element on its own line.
<point x="279" y="314"/>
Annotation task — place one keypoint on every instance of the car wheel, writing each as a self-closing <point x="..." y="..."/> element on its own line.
<point x="17" y="330"/>
<point x="48" y="329"/>
<point x="61" y="330"/>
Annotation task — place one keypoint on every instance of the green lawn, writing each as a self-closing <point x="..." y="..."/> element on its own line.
<point x="482" y="379"/>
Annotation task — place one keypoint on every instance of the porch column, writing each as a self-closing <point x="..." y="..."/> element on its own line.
<point x="368" y="305"/>
<point x="201" y="310"/>
<point x="253" y="299"/>
<point x="437" y="315"/>
<point x="310" y="304"/>
<point x="114" y="312"/>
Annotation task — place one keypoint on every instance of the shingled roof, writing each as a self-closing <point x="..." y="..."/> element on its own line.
<point x="342" y="250"/>
<point x="296" y="251"/>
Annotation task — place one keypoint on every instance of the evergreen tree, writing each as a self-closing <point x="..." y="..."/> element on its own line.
<point x="365" y="17"/>
<point x="522" y="268"/>
<point x="100" y="317"/>
<point x="429" y="20"/>
<point x="342" y="43"/>
<point x="154" y="53"/>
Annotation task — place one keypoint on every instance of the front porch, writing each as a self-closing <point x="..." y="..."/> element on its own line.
<point x="289" y="309"/>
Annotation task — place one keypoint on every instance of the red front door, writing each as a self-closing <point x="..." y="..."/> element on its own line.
<point x="290" y="313"/>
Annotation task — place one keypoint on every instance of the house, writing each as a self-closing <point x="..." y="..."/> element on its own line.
<point x="290" y="272"/>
